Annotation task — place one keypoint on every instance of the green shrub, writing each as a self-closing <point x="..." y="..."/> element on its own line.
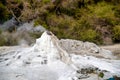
<point x="88" y="35"/>
<point x="2" y="41"/>
<point x="18" y="1"/>
<point x="101" y="74"/>
<point x="0" y="31"/>
<point x="36" y="23"/>
<point x="59" y="21"/>
<point x="2" y="6"/>
<point x="102" y="10"/>
<point x="4" y="14"/>
<point x="105" y="11"/>
<point x="116" y="33"/>
<point x="46" y="1"/>
<point x="11" y="41"/>
<point x="35" y="35"/>
<point x="117" y="11"/>
<point x="67" y="27"/>
<point x="79" y="19"/>
<point x="8" y="39"/>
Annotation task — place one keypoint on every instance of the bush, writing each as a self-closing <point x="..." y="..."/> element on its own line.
<point x="117" y="11"/>
<point x="89" y="35"/>
<point x="116" y="33"/>
<point x="0" y="31"/>
<point x="59" y="25"/>
<point x="102" y="10"/>
<point x="36" y="23"/>
<point x="2" y="41"/>
<point x="67" y="27"/>
<point x="59" y="21"/>
<point x="35" y="34"/>
<point x="7" y="39"/>
<point x="46" y="1"/>
<point x="101" y="74"/>
<point x="4" y="14"/>
<point x="75" y="19"/>
<point x="105" y="11"/>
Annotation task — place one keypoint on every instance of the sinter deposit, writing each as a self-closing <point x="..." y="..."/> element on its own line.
<point x="54" y="59"/>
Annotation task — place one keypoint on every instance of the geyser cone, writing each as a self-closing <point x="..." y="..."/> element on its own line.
<point x="49" y="43"/>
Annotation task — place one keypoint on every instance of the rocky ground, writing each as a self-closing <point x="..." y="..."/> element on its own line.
<point x="53" y="59"/>
<point x="115" y="49"/>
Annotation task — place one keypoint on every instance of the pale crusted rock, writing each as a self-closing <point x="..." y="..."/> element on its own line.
<point x="50" y="59"/>
<point x="84" y="48"/>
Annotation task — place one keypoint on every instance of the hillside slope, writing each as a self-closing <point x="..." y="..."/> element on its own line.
<point x="87" y="20"/>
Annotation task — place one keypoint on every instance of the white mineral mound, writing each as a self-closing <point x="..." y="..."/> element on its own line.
<point x="47" y="60"/>
<point x="85" y="48"/>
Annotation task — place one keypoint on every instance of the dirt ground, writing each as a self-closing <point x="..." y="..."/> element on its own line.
<point x="115" y="49"/>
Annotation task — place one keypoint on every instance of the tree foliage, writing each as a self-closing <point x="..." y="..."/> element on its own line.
<point x="87" y="20"/>
<point x="116" y="33"/>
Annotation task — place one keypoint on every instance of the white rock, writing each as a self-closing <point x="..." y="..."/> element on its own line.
<point x="47" y="60"/>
